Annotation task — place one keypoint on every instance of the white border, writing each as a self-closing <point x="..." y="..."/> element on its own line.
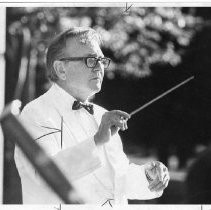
<point x="85" y="3"/>
<point x="2" y="84"/>
<point x="107" y="3"/>
<point x="94" y="207"/>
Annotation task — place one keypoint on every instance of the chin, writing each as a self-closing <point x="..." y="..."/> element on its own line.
<point x="93" y="92"/>
<point x="98" y="89"/>
<point x="95" y="88"/>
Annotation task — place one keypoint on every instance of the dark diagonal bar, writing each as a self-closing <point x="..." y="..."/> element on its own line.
<point x="45" y="166"/>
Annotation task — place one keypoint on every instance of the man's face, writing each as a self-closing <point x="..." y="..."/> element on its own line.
<point x="83" y="80"/>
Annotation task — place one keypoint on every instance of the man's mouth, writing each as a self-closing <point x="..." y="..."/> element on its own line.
<point x="96" y="78"/>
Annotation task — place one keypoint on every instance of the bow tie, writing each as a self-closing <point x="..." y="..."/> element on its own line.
<point x="78" y="105"/>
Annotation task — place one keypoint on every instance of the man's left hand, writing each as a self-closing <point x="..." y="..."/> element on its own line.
<point x="157" y="175"/>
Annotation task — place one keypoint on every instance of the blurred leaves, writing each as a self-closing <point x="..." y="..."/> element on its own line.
<point x="135" y="40"/>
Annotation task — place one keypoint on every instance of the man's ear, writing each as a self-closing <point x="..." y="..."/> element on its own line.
<point x="59" y="70"/>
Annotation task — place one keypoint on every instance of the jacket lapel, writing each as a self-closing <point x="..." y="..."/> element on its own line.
<point x="71" y="132"/>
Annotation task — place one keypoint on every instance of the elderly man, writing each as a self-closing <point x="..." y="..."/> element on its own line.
<point x="82" y="138"/>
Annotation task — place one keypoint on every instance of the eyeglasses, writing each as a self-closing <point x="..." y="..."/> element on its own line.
<point x="91" y="62"/>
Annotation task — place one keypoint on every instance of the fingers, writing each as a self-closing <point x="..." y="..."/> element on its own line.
<point x="160" y="171"/>
<point x="116" y="118"/>
<point x="151" y="169"/>
<point x="162" y="180"/>
<point x="159" y="185"/>
<point x="123" y="115"/>
<point x="125" y="125"/>
<point x="163" y="172"/>
<point x="110" y="124"/>
<point x="151" y="165"/>
<point x="118" y="123"/>
<point x="122" y="124"/>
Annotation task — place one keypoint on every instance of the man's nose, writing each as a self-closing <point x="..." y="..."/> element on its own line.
<point x="99" y="66"/>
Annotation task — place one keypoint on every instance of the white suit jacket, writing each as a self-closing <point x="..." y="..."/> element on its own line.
<point x="98" y="173"/>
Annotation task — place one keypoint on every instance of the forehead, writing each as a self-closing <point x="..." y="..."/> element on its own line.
<point x="75" y="48"/>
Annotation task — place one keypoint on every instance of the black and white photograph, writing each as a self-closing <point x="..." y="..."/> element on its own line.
<point x="105" y="106"/>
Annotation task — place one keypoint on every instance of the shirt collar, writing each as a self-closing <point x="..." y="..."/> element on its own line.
<point x="63" y="97"/>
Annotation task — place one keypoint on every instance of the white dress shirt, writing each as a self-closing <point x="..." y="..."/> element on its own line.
<point x="98" y="173"/>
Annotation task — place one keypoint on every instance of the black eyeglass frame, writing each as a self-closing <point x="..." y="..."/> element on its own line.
<point x="85" y="59"/>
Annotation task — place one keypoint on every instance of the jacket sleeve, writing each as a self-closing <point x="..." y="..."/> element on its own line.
<point x="75" y="161"/>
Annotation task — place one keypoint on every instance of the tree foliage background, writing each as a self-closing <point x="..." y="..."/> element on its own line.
<point x="135" y="39"/>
